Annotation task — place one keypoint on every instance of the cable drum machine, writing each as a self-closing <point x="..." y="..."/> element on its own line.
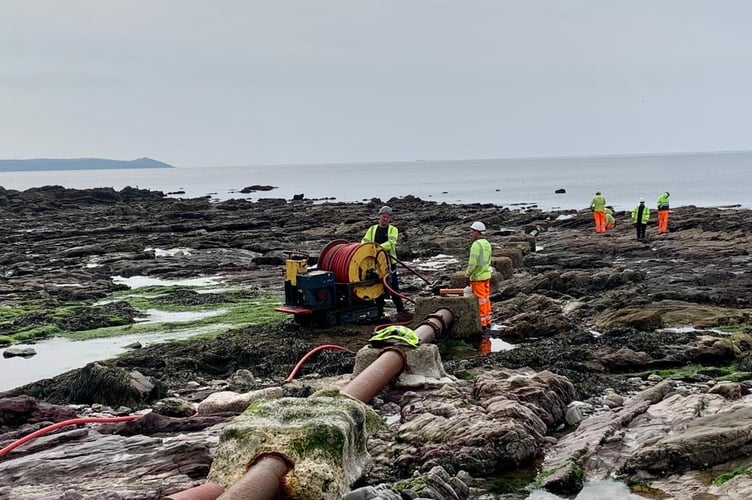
<point x="345" y="286"/>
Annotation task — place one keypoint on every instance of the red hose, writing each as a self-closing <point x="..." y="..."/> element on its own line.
<point x="64" y="423"/>
<point x="385" y="282"/>
<point x="311" y="353"/>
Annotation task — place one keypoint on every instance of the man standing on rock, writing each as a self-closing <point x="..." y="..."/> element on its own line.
<point x="385" y="235"/>
<point x="598" y="206"/>
<point x="479" y="272"/>
<point x="663" y="213"/>
<point x="640" y="216"/>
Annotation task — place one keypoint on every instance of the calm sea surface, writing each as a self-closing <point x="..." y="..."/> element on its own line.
<point x="701" y="179"/>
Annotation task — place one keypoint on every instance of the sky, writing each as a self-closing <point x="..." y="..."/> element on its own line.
<point x="247" y="82"/>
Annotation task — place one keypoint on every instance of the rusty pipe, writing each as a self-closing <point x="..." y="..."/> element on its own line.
<point x="392" y="361"/>
<point x="377" y="375"/>
<point x="262" y="481"/>
<point x="207" y="491"/>
<point x="441" y="319"/>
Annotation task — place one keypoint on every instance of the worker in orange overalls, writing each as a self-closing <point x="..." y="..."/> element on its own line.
<point x="598" y="206"/>
<point x="479" y="272"/>
<point x="663" y="213"/>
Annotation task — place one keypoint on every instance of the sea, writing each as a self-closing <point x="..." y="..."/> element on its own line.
<point x="716" y="179"/>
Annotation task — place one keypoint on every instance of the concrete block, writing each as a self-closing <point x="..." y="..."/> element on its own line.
<point x="464" y="309"/>
<point x="458" y="279"/>
<point x="504" y="266"/>
<point x="424" y="366"/>
<point x="524" y="242"/>
<point x="324" y="435"/>
<point x="523" y="246"/>
<point x="513" y="253"/>
<point x="496" y="279"/>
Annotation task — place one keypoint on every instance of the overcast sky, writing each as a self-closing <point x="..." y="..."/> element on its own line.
<point x="245" y="82"/>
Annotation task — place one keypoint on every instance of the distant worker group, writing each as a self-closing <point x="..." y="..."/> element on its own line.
<point x="604" y="215"/>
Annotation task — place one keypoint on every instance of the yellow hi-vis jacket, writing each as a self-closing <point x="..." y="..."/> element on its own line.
<point x="599" y="203"/>
<point x="645" y="214"/>
<point x="662" y="202"/>
<point x="389" y="245"/>
<point x="479" y="263"/>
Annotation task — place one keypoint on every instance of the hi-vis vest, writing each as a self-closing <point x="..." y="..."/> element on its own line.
<point x="645" y="214"/>
<point x="396" y="335"/>
<point x="599" y="203"/>
<point x="479" y="264"/>
<point x="662" y="202"/>
<point x="390" y="245"/>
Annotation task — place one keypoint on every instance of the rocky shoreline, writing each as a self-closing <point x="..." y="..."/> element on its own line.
<point x="632" y="359"/>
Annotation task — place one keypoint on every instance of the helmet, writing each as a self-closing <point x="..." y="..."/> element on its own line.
<point x="478" y="226"/>
<point x="642" y="200"/>
<point x="385" y="210"/>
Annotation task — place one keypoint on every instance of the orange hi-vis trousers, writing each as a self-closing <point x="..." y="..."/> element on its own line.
<point x="482" y="290"/>
<point x="600" y="221"/>
<point x="662" y="221"/>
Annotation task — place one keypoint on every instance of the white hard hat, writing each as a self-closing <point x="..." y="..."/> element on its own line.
<point x="642" y="200"/>
<point x="478" y="226"/>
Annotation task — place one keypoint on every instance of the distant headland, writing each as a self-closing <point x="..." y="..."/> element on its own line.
<point x="77" y="164"/>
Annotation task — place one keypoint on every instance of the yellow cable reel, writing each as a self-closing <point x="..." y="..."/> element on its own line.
<point x="369" y="261"/>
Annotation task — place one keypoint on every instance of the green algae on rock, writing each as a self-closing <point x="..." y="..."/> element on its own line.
<point x="323" y="435"/>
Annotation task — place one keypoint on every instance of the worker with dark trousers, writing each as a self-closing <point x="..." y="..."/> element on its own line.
<point x="663" y="213"/>
<point x="385" y="234"/>
<point x="640" y="216"/>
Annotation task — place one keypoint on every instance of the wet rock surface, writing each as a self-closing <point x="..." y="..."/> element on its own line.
<point x="627" y="329"/>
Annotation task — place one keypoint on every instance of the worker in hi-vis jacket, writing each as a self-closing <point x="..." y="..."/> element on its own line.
<point x="598" y="206"/>
<point x="662" y="204"/>
<point x="385" y="234"/>
<point x="479" y="272"/>
<point x="640" y="216"/>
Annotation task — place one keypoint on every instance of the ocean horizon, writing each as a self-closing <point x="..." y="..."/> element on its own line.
<point x="717" y="179"/>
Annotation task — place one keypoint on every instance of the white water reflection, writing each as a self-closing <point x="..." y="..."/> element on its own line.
<point x="157" y="316"/>
<point x="436" y="263"/>
<point x="500" y="345"/>
<point x="143" y="281"/>
<point x="691" y="329"/>
<point x="171" y="252"/>
<point x="59" y="355"/>
<point x="593" y="490"/>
